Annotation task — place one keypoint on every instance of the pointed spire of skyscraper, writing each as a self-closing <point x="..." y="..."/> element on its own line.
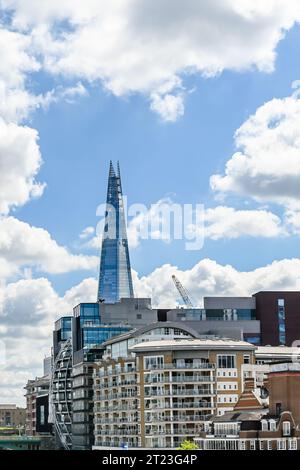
<point x="111" y="170"/>
<point x="115" y="279"/>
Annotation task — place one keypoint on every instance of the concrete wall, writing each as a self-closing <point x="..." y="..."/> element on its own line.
<point x="229" y="302"/>
<point x="134" y="312"/>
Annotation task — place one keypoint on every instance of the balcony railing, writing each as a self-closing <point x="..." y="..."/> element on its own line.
<point x="114" y="396"/>
<point x="172" y="432"/>
<point x="203" y="366"/>
<point x="179" y="393"/>
<point x="180" y="405"/>
<point x="117" y="372"/>
<point x="113" y="421"/>
<point x="113" y="409"/>
<point x="120" y="432"/>
<point x="176" y="419"/>
<point x="184" y="379"/>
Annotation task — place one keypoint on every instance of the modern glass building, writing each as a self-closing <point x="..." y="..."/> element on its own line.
<point x="115" y="281"/>
<point x="62" y="333"/>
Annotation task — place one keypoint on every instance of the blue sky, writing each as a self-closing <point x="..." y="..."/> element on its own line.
<point x="195" y="100"/>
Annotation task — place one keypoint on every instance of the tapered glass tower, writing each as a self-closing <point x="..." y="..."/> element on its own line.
<point x="115" y="279"/>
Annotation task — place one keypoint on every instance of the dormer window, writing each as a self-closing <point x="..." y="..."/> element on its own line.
<point x="264" y="425"/>
<point x="286" y="428"/>
<point x="272" y="424"/>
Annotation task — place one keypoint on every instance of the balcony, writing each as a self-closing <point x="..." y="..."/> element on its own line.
<point x="173" y="392"/>
<point x="184" y="379"/>
<point x="171" y="432"/>
<point x="115" y="396"/>
<point x="177" y="419"/>
<point x="203" y="366"/>
<point x="115" y="409"/>
<point x="175" y="405"/>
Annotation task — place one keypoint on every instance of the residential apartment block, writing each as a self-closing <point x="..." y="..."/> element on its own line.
<point x="164" y="389"/>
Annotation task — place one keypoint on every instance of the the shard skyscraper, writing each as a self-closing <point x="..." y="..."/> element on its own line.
<point x="115" y="281"/>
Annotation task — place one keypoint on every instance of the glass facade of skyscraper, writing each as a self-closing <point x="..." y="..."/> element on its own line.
<point x="115" y="281"/>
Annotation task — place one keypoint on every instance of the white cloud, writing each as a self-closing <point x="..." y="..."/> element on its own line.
<point x="28" y="309"/>
<point x="17" y="62"/>
<point x="227" y="222"/>
<point x="20" y="161"/>
<point x="166" y="221"/>
<point x="22" y="245"/>
<point x="292" y="221"/>
<point x="141" y="45"/>
<point x="169" y="107"/>
<point x="86" y="233"/>
<point x="16" y="59"/>
<point x="59" y="94"/>
<point x="208" y="277"/>
<point x="266" y="166"/>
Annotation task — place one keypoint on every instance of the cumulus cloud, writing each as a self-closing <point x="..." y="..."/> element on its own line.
<point x="140" y="46"/>
<point x="169" y="107"/>
<point x="208" y="277"/>
<point x="28" y="309"/>
<point x="166" y="220"/>
<point x="227" y="222"/>
<point x="17" y="62"/>
<point x="20" y="161"/>
<point x="86" y="233"/>
<point x="266" y="166"/>
<point x="22" y="245"/>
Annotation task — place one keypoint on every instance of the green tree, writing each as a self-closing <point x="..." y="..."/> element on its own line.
<point x="188" y="445"/>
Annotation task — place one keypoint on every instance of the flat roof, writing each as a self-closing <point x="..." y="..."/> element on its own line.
<point x="192" y="344"/>
<point x="279" y="351"/>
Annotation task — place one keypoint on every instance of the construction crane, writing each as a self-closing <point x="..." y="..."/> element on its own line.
<point x="183" y="292"/>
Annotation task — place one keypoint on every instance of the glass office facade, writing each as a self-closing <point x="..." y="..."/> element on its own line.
<point x="219" y="314"/>
<point x="63" y="326"/>
<point x="93" y="336"/>
<point x="62" y="333"/>
<point x="88" y="314"/>
<point x="88" y="332"/>
<point x="115" y="279"/>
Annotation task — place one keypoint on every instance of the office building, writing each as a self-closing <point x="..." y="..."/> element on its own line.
<point x="278" y="313"/>
<point x="115" y="281"/>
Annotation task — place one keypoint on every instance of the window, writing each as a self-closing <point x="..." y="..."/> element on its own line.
<point x="292" y="444"/>
<point x="252" y="444"/>
<point x="261" y="445"/>
<point x="281" y="444"/>
<point x="139" y="316"/>
<point x="278" y="408"/>
<point x="272" y="423"/>
<point x="242" y="445"/>
<point x="226" y="362"/>
<point x="269" y="445"/>
<point x="286" y="428"/>
<point x="281" y="321"/>
<point x="153" y="362"/>
<point x="246" y="359"/>
<point x="264" y="425"/>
